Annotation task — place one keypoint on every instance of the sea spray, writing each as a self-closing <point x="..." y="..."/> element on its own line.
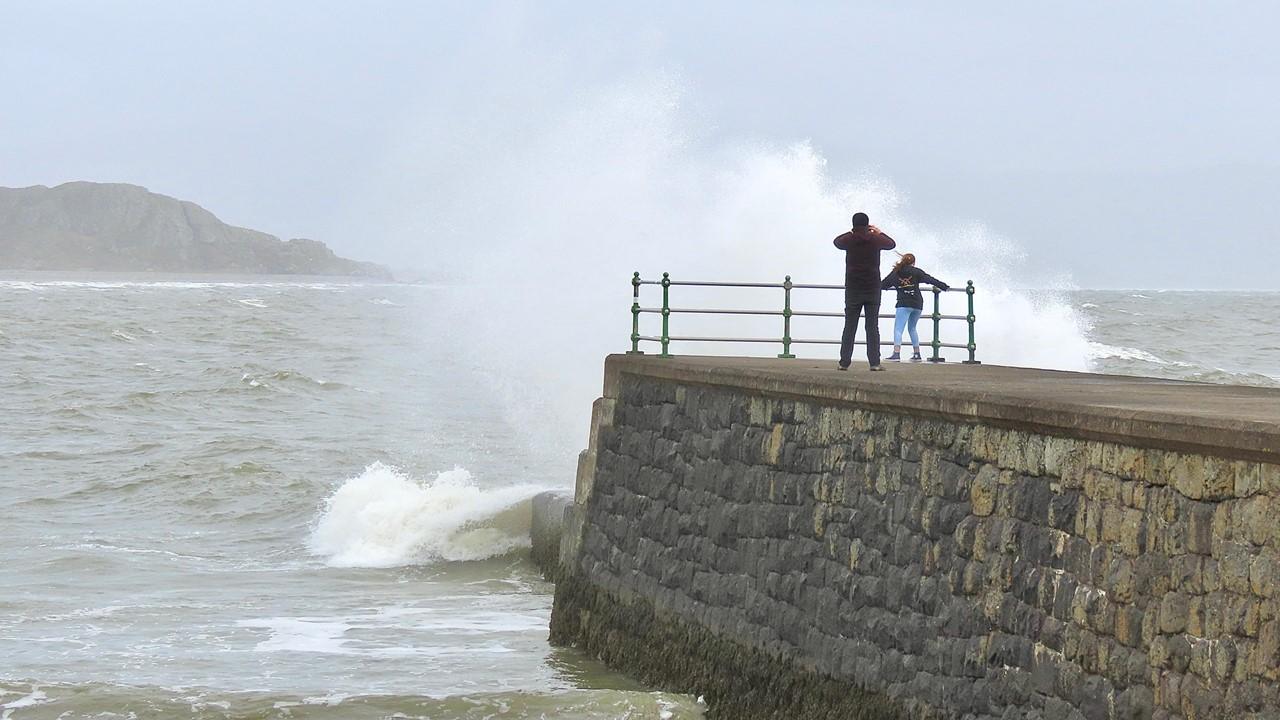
<point x="548" y="223"/>
<point x="384" y="518"/>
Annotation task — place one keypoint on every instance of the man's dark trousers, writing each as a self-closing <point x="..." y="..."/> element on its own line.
<point x="855" y="304"/>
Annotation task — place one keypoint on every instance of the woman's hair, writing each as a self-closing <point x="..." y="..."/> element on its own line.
<point x="906" y="260"/>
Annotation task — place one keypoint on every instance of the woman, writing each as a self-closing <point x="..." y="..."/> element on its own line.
<point x="905" y="277"/>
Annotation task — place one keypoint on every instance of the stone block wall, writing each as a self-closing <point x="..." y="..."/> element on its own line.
<point x="790" y="558"/>
<point x="546" y="529"/>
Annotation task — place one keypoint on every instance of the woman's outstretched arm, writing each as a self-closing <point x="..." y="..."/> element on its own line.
<point x="933" y="281"/>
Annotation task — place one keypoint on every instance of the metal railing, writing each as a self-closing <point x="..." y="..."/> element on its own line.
<point x="786" y="313"/>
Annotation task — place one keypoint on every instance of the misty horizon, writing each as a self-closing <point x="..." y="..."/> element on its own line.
<point x="392" y="134"/>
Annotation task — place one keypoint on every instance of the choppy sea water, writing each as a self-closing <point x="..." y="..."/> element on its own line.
<point x="257" y="499"/>
<point x="1220" y="337"/>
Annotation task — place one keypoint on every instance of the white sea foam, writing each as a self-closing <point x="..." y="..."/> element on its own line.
<point x="348" y="635"/>
<point x="477" y="622"/>
<point x="131" y="550"/>
<point x="331" y="699"/>
<point x="90" y="613"/>
<point x="1100" y="351"/>
<point x="292" y="634"/>
<point x="36" y="697"/>
<point x="384" y="518"/>
<point x="252" y="302"/>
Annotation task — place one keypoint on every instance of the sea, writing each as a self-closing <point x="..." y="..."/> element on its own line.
<point x="309" y="498"/>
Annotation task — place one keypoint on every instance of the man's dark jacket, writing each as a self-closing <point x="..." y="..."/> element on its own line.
<point x="862" y="248"/>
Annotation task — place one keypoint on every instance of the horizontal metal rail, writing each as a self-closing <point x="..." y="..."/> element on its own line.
<point x="666" y="311"/>
<point x="883" y="343"/>
<point x="772" y="341"/>
<point x="711" y="311"/>
<point x="793" y="286"/>
<point x="708" y="283"/>
<point x="794" y="313"/>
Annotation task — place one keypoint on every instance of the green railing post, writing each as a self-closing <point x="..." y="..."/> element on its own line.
<point x="786" y="319"/>
<point x="973" y="345"/>
<point x="937" y="327"/>
<point x="666" y="314"/>
<point x="635" y="316"/>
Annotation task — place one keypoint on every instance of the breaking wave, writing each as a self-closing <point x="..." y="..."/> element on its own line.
<point x="385" y="518"/>
<point x="1102" y="351"/>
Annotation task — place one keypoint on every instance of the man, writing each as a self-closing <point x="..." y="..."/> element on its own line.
<point x="862" y="246"/>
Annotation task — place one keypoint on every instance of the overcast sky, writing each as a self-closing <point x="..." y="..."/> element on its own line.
<point x="1122" y="144"/>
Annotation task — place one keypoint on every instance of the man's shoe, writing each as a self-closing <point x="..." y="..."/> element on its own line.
<point x="877" y="368"/>
<point x="842" y="367"/>
<point x="894" y="358"/>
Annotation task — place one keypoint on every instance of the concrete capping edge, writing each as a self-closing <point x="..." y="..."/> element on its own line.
<point x="1145" y="429"/>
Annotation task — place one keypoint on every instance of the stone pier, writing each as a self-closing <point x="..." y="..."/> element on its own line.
<point x="946" y="541"/>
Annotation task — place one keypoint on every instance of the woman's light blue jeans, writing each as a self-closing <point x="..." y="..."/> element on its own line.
<point x="906" y="317"/>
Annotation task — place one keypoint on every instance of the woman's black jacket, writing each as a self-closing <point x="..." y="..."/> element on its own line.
<point x="907" y="282"/>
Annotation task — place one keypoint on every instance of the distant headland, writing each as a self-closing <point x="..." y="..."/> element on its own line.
<point x="126" y="228"/>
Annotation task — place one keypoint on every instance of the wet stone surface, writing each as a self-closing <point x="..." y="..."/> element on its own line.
<point x="958" y="569"/>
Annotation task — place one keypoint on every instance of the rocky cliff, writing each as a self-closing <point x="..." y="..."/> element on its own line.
<point x="116" y="227"/>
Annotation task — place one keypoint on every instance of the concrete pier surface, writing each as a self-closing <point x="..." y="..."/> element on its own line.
<point x="1225" y="420"/>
